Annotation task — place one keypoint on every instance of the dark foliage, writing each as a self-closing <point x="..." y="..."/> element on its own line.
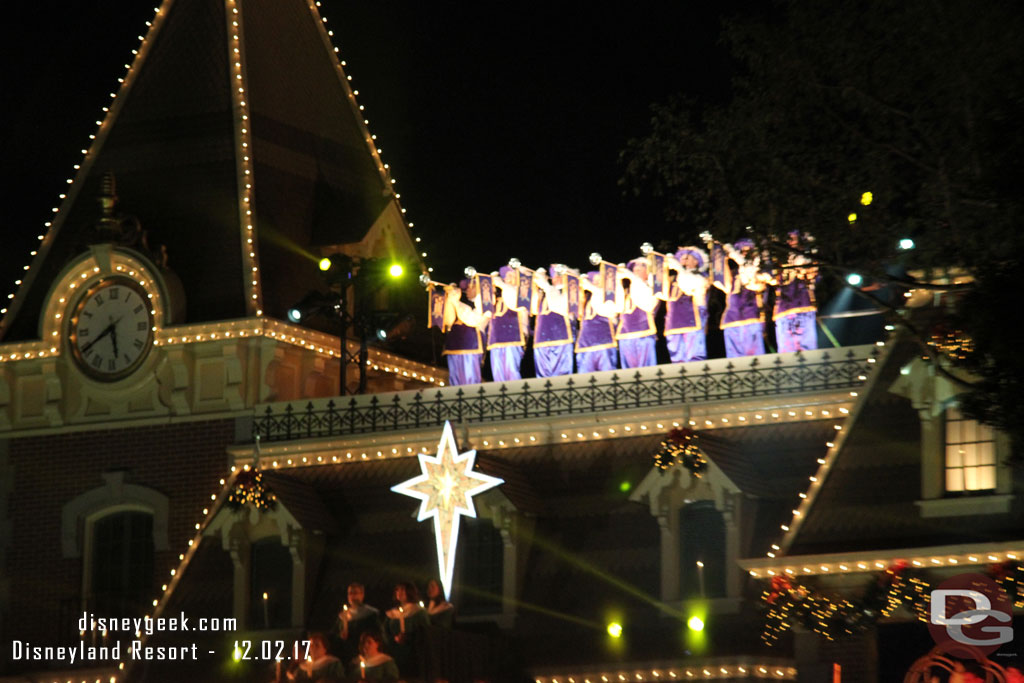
<point x="919" y="103"/>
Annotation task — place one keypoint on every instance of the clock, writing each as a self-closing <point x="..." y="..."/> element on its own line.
<point x="111" y="329"/>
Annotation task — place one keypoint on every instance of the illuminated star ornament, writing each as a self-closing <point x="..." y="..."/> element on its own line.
<point x="445" y="490"/>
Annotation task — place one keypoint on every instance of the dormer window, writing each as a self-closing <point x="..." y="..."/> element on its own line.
<point x="970" y="454"/>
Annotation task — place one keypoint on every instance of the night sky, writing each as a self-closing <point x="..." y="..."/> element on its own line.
<point x="502" y="124"/>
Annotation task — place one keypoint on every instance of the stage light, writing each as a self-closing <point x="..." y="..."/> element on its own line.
<point x="294" y="314"/>
<point x="695" y="624"/>
<point x="906" y="244"/>
<point x="396" y="270"/>
<point x="325" y="264"/>
<point x="852" y="218"/>
<point x="615" y="630"/>
<point x="392" y="326"/>
<point x="625" y="486"/>
<point x="854" y="279"/>
<point x="866" y="198"/>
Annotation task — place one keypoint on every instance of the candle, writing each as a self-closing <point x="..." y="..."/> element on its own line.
<point x="700" y="575"/>
<point x="277" y="671"/>
<point x="266" y="612"/>
<point x="362" y="668"/>
<point x="401" y="620"/>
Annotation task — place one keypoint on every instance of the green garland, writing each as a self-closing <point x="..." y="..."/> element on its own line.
<point x="250" y="491"/>
<point x="788" y="603"/>
<point x="680" y="448"/>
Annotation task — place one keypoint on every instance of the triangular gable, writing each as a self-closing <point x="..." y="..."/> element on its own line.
<point x="237" y="142"/>
<point x="869" y="492"/>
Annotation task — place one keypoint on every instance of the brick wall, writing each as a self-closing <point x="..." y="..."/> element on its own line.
<point x="183" y="461"/>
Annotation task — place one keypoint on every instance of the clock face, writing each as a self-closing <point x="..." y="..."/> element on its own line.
<point x="111" y="329"/>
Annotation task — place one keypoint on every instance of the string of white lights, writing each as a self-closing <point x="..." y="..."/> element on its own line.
<point x="369" y="138"/>
<point x="89" y="153"/>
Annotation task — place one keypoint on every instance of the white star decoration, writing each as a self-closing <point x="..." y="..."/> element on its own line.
<point x="445" y="490"/>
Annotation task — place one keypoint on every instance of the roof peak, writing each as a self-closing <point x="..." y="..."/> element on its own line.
<point x="239" y="145"/>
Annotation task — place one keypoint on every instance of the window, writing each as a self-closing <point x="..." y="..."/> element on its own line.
<point x="970" y="454"/>
<point x="122" y="563"/>
<point x="702" y="539"/>
<point x="271" y="576"/>
<point x="480" y="577"/>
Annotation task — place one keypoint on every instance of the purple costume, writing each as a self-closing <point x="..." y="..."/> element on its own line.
<point x="595" y="348"/>
<point x="794" y="314"/>
<point x="743" y="319"/>
<point x="636" y="335"/>
<point x="552" y="341"/>
<point x="464" y="349"/>
<point x="685" y="325"/>
<point x="505" y="343"/>
<point x="686" y="322"/>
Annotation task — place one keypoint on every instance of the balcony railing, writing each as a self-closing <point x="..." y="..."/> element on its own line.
<point x="698" y="382"/>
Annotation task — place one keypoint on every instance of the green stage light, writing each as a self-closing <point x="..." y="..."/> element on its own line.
<point x="695" y="624"/>
<point x="325" y="264"/>
<point x="625" y="486"/>
<point x="615" y="630"/>
<point x="396" y="270"/>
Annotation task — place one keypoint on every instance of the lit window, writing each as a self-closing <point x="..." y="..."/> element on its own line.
<point x="970" y="454"/>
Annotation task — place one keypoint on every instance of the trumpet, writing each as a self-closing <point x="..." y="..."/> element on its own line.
<point x="516" y="263"/>
<point x="596" y="260"/>
<point x="647" y="249"/>
<point x="426" y="281"/>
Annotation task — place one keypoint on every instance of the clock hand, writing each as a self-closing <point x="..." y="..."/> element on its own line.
<point x="107" y="330"/>
<point x="113" y="334"/>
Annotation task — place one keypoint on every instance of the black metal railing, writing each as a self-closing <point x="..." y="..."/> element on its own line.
<point x="700" y="382"/>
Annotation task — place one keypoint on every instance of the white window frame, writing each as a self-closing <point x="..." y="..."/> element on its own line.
<point x="81" y="513"/>
<point x="979" y="448"/>
<point x="930" y="395"/>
